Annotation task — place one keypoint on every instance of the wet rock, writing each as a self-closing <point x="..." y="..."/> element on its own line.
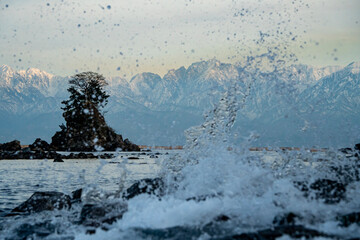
<point x="347" y="173"/>
<point x="329" y="191"/>
<point x="95" y="215"/>
<point x="202" y="198"/>
<point x="11" y="146"/>
<point x="357" y="147"/>
<point x="222" y="218"/>
<point x="25" y="154"/>
<point x="346" y="150"/>
<point x="39" y="145"/>
<point x="294" y="231"/>
<point x="34" y="231"/>
<point x="150" y="186"/>
<point x="58" y="159"/>
<point x="44" y="201"/>
<point x="286" y="219"/>
<point x="348" y="219"/>
<point x="129" y="146"/>
<point x="353" y="153"/>
<point x="76" y="195"/>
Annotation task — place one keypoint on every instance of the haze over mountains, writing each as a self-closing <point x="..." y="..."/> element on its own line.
<point x="298" y="106"/>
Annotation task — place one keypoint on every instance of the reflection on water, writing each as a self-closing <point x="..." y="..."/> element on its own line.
<point x="21" y="178"/>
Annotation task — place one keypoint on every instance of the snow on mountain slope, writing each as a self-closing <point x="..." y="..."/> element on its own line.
<point x="338" y="91"/>
<point x="147" y="99"/>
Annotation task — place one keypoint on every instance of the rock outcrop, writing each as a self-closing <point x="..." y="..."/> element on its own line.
<point x="44" y="201"/>
<point x="10" y="146"/>
<point x="94" y="136"/>
<point x="39" y="145"/>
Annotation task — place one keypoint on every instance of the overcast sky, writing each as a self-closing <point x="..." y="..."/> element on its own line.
<point x="125" y="37"/>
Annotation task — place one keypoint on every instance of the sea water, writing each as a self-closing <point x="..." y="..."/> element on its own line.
<point x="251" y="188"/>
<point x="214" y="177"/>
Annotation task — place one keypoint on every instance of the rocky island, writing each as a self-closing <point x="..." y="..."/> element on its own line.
<point x="85" y="130"/>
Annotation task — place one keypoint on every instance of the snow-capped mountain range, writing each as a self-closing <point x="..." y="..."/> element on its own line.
<point x="314" y="105"/>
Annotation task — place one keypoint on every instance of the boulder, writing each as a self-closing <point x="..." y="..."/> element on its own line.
<point x="58" y="158"/>
<point x="34" y="230"/>
<point x="95" y="215"/>
<point x="76" y="195"/>
<point x="11" y="146"/>
<point x="329" y="191"/>
<point x="357" y="147"/>
<point x="44" y="201"/>
<point x="149" y="186"/>
<point x="286" y="219"/>
<point x="39" y="145"/>
<point x="348" y="219"/>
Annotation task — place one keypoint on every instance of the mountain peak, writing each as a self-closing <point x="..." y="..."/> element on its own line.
<point x="35" y="72"/>
<point x="354" y="67"/>
<point x="145" y="76"/>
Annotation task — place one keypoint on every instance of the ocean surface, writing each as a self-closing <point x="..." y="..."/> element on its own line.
<point x="21" y="178"/>
<point x="246" y="190"/>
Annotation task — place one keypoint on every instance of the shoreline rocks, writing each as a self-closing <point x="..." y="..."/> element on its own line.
<point x="10" y="146"/>
<point x="101" y="214"/>
<point x="40" y="149"/>
<point x="44" y="201"/>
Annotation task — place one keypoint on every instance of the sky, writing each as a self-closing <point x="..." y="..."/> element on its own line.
<point x="122" y="38"/>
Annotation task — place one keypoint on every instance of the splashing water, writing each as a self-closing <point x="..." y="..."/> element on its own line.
<point x="217" y="188"/>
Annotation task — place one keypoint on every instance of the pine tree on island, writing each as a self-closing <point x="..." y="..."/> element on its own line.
<point x="86" y="129"/>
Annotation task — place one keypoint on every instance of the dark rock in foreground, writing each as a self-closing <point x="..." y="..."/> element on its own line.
<point x="95" y="215"/>
<point x="35" y="230"/>
<point x="286" y="219"/>
<point x="10" y="146"/>
<point x="329" y="191"/>
<point x="44" y="201"/>
<point x="148" y="186"/>
<point x="76" y="195"/>
<point x="348" y="219"/>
